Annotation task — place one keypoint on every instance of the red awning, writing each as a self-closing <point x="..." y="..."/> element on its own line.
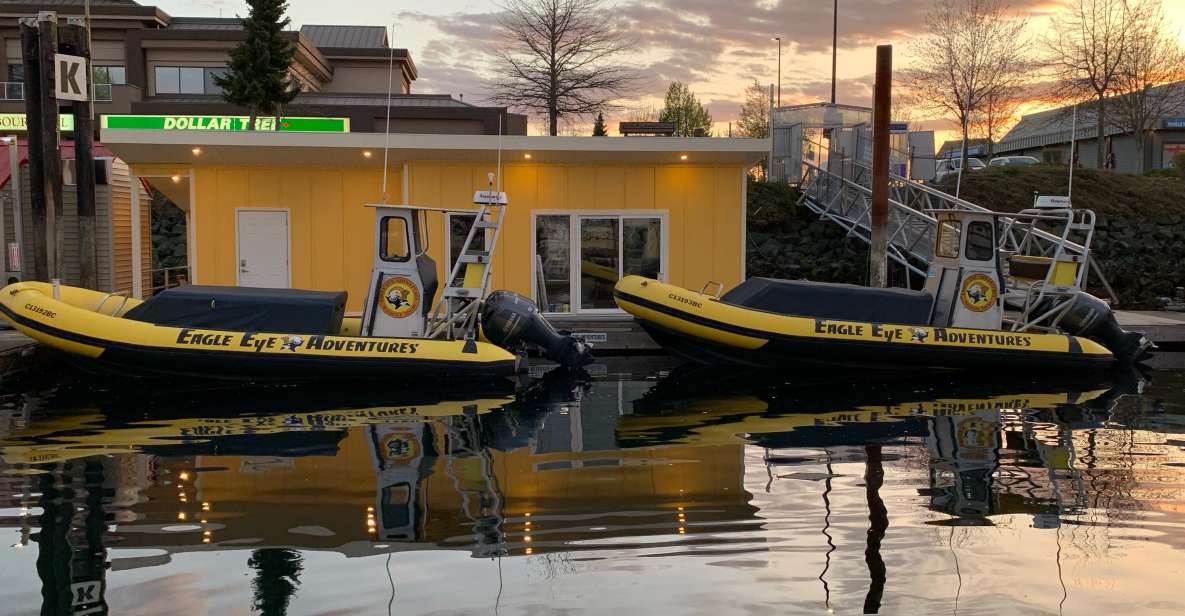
<point x="67" y="149"/>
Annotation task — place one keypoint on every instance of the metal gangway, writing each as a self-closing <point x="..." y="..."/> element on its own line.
<point x="837" y="185"/>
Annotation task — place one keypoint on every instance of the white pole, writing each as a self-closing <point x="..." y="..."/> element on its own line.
<point x="18" y="209"/>
<point x="137" y="265"/>
<point x="387" y="130"/>
<point x="769" y="166"/>
<point x="962" y="162"/>
<point x="1073" y="134"/>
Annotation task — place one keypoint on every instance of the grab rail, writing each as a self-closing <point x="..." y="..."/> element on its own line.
<point x="123" y="294"/>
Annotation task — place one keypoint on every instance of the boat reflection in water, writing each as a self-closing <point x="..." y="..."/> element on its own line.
<point x="568" y="465"/>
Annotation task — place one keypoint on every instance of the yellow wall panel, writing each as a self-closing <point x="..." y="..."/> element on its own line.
<point x="232" y="194"/>
<point x="670" y="194"/>
<point x="360" y="187"/>
<point x="728" y="242"/>
<point x="326" y="222"/>
<point x="294" y="195"/>
<point x="553" y="188"/>
<point x="699" y="233"/>
<point x="639" y="188"/>
<point x="610" y="187"/>
<point x="333" y="233"/>
<point x="582" y="184"/>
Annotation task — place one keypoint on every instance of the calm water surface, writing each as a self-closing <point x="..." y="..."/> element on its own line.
<point x="635" y="490"/>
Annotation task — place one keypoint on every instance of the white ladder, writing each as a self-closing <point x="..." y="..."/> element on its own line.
<point x="455" y="316"/>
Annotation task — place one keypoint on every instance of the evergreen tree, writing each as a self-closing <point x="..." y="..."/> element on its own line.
<point x="258" y="74"/>
<point x="599" y="126"/>
<point x="684" y="109"/>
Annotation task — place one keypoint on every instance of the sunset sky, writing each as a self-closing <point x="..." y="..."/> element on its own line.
<point x="718" y="47"/>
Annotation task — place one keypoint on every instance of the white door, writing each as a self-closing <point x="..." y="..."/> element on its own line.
<point x="263" y="248"/>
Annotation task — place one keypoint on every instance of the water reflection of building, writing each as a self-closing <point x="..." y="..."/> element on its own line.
<point x="545" y="474"/>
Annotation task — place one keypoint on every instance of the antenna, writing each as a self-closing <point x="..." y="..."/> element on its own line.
<point x="387" y="130"/>
<point x="499" y="152"/>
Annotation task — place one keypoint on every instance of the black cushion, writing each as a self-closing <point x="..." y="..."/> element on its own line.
<point x="281" y="311"/>
<point x="832" y="301"/>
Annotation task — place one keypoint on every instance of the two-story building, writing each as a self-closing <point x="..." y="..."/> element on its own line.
<point x="147" y="62"/>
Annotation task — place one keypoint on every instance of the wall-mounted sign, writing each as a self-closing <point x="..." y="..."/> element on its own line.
<point x="71" y="82"/>
<point x="16" y="121"/>
<point x="226" y="123"/>
<point x="1174" y="123"/>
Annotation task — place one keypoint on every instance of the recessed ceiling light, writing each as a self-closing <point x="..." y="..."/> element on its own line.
<point x="196" y="151"/>
<point x="527" y="156"/>
<point x="366" y="153"/>
<point x="682" y="157"/>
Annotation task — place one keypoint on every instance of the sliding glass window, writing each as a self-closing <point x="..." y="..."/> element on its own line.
<point x="580" y="257"/>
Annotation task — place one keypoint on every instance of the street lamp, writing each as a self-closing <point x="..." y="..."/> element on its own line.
<point x="779" y="40"/>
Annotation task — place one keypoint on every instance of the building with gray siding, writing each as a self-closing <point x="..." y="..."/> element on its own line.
<point x="1046" y="134"/>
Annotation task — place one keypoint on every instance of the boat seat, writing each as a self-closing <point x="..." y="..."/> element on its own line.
<point x="280" y="311"/>
<point x="832" y="301"/>
<point x="1032" y="268"/>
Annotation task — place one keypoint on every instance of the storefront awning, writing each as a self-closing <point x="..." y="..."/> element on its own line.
<point x="366" y="149"/>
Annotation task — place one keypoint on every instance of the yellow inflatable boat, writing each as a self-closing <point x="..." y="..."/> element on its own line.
<point x="709" y="329"/>
<point x="987" y="303"/>
<point x="310" y="338"/>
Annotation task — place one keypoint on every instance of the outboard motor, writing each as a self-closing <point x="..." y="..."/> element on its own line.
<point x="510" y="320"/>
<point x="1091" y="317"/>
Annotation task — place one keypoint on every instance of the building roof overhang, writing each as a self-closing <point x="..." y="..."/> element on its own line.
<point x="346" y="149"/>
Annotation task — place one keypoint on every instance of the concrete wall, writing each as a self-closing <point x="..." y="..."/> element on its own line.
<point x="332" y="233"/>
<point x="364" y="76"/>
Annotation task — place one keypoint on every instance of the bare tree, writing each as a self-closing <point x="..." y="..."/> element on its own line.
<point x="971" y="50"/>
<point x="560" y="58"/>
<point x="1086" y="47"/>
<point x="1147" y="81"/>
<point x="997" y="114"/>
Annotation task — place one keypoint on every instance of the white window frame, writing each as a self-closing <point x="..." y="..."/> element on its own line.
<point x="574" y="218"/>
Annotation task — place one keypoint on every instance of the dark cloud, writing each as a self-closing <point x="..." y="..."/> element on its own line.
<point x="700" y="41"/>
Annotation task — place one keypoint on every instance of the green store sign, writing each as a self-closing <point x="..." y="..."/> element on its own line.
<point x="18" y="122"/>
<point x="226" y="123"/>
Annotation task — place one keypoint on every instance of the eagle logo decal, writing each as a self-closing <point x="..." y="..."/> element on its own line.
<point x="979" y="292"/>
<point x="399" y="297"/>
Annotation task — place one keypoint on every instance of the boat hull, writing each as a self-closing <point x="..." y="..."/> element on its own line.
<point x="703" y="329"/>
<point x="109" y="343"/>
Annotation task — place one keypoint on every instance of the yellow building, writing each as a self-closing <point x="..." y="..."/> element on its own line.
<point x="288" y="209"/>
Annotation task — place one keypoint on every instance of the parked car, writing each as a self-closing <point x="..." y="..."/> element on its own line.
<point x="948" y="166"/>
<point x="1013" y="161"/>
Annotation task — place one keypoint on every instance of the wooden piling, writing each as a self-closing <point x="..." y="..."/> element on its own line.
<point x="879" y="215"/>
<point x="74" y="41"/>
<point x="34" y="134"/>
<point x="47" y="23"/>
